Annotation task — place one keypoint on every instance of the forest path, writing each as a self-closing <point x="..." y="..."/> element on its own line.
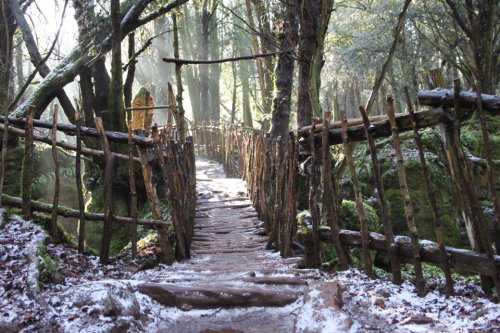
<point x="239" y="285"/>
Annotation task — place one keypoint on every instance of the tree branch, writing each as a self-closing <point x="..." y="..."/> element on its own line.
<point x="218" y="61"/>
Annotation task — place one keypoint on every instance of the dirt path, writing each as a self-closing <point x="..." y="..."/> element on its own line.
<point x="264" y="292"/>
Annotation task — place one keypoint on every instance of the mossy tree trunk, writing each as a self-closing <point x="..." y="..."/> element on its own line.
<point x="284" y="71"/>
<point x="77" y="59"/>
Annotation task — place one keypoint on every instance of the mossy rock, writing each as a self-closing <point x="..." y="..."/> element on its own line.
<point x="351" y="216"/>
<point x="443" y="185"/>
<point x="12" y="181"/>
<point x="120" y="232"/>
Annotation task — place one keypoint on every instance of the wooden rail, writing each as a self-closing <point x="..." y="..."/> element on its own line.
<point x="270" y="168"/>
<point x="177" y="164"/>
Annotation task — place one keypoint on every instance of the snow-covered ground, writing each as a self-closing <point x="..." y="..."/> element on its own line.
<point x="84" y="296"/>
<point x="369" y="305"/>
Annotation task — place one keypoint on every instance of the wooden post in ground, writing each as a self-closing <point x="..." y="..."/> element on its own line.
<point x="489" y="166"/>
<point x="175" y="194"/>
<point x="290" y="196"/>
<point x="410" y="219"/>
<point x="5" y="141"/>
<point x="154" y="203"/>
<point x="386" y="213"/>
<point x="27" y="170"/>
<point x="363" y="222"/>
<point x="478" y="223"/>
<point x="314" y="260"/>
<point x="57" y="164"/>
<point x="328" y="198"/>
<point x="431" y="195"/>
<point x="109" y="161"/>
<point x="133" y="187"/>
<point x="79" y="185"/>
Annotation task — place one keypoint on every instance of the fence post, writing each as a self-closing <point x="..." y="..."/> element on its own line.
<point x="403" y="185"/>
<point x="431" y="195"/>
<point x="109" y="160"/>
<point x="328" y="198"/>
<point x="154" y="203"/>
<point x="363" y="222"/>
<point x="79" y="185"/>
<point x="27" y="169"/>
<point x="57" y="164"/>
<point x="386" y="213"/>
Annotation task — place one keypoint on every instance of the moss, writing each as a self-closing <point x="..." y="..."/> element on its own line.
<point x="44" y="220"/>
<point x="303" y="221"/>
<point x="49" y="267"/>
<point x="351" y="216"/>
<point x="328" y="252"/>
<point x="445" y="190"/>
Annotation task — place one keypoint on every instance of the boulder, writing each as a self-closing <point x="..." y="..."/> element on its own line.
<point x="110" y="298"/>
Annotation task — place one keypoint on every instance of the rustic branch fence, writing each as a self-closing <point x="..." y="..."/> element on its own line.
<point x="175" y="160"/>
<point x="270" y="168"/>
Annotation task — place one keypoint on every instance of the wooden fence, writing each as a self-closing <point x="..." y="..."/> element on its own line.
<point x="175" y="161"/>
<point x="270" y="167"/>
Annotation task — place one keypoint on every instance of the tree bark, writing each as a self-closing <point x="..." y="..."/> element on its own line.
<point x="288" y="36"/>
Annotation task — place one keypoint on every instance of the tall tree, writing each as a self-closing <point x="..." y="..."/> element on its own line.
<point x="287" y="37"/>
<point x="467" y="35"/>
<point x="133" y="14"/>
<point x="8" y="27"/>
<point x="116" y="117"/>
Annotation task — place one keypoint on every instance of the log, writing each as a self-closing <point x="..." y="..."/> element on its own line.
<point x="382" y="129"/>
<point x="468" y="99"/>
<point x="37" y="206"/>
<point x="186" y="297"/>
<point x="280" y="280"/>
<point x="66" y="145"/>
<point x="205" y="208"/>
<point x="462" y="260"/>
<point x="69" y="129"/>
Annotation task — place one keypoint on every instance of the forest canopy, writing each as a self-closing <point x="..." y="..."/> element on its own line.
<point x="325" y="55"/>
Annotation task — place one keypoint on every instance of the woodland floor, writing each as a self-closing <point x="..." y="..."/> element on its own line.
<point x="229" y="266"/>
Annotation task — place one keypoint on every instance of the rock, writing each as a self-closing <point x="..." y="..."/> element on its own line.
<point x="419" y="319"/>
<point x="3" y="220"/>
<point x="6" y="327"/>
<point x="322" y="304"/>
<point x="111" y="298"/>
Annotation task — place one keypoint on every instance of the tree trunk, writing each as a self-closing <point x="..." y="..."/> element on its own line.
<point x="72" y="65"/>
<point x="308" y="32"/>
<point x="7" y="28"/>
<point x="284" y="71"/>
<point x="203" y="55"/>
<point x="37" y="59"/>
<point x="267" y="46"/>
<point x="116" y="115"/>
<point x="191" y="72"/>
<point x="245" y="94"/>
<point x="215" y="68"/>
<point x="129" y="81"/>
